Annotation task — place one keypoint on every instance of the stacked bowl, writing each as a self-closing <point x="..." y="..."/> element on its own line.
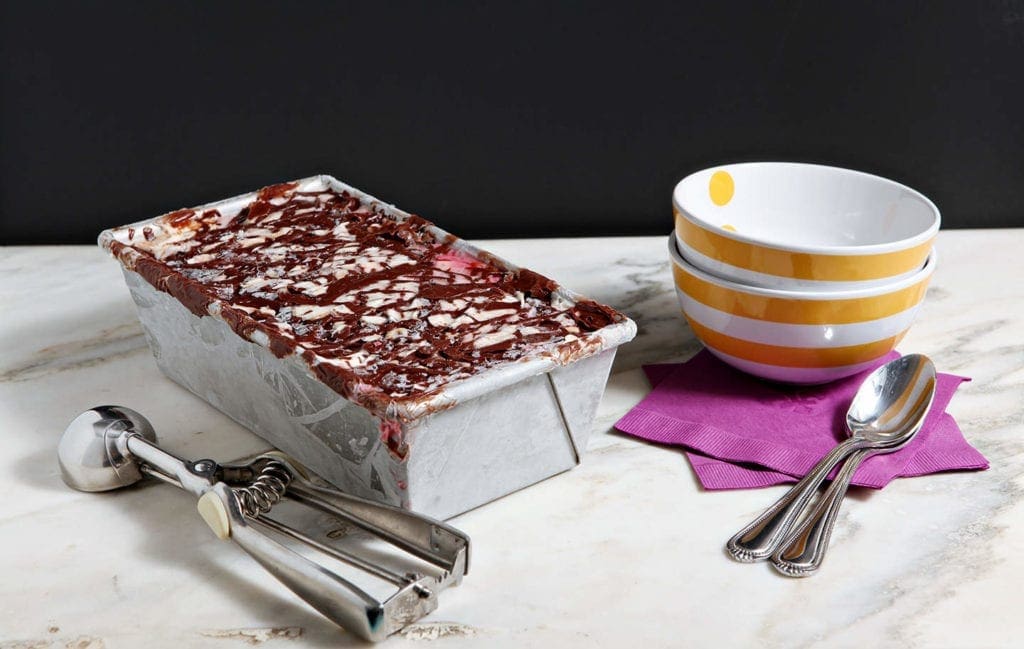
<point x="800" y="273"/>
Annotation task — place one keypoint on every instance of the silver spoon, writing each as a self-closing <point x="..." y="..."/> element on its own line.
<point x="877" y="419"/>
<point x="803" y="551"/>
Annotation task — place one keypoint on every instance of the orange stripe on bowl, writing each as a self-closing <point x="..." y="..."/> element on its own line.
<point x="780" y="356"/>
<point x="799" y="265"/>
<point x="798" y="311"/>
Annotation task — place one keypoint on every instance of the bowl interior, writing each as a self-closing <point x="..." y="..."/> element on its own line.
<point x="806" y="207"/>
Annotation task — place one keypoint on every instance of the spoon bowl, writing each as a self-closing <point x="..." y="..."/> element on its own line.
<point x="890" y="405"/>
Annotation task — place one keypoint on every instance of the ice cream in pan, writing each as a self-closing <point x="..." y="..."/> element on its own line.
<point x="381" y="306"/>
<point x="380" y="310"/>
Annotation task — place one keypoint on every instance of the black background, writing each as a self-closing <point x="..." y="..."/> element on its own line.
<point x="498" y="118"/>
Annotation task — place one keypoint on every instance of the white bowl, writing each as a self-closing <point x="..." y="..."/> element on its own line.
<point x="797" y="336"/>
<point x="801" y="226"/>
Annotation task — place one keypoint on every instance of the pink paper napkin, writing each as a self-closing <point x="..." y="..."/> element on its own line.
<point x="751" y="433"/>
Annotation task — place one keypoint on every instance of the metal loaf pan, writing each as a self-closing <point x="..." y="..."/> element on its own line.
<point x="477" y="439"/>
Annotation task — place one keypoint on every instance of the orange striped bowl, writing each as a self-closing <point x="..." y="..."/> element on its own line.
<point x="797" y="336"/>
<point x="801" y="226"/>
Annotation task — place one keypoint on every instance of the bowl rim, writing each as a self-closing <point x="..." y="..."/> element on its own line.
<point x="812" y="294"/>
<point x="890" y="246"/>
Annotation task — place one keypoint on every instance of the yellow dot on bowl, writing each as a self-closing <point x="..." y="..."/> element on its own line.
<point x="729" y="227"/>
<point x="721" y="187"/>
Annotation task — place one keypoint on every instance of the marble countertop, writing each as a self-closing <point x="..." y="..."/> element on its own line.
<point x="626" y="549"/>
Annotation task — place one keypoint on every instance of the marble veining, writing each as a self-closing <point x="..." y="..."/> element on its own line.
<point x="624" y="550"/>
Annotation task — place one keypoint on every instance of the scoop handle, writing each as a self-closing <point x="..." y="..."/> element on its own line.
<point x="338" y="599"/>
<point x="765" y="534"/>
<point x="804" y="550"/>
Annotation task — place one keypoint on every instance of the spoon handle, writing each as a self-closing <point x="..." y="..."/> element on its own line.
<point x="804" y="550"/>
<point x="762" y="537"/>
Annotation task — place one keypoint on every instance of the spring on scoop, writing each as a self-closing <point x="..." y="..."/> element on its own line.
<point x="265" y="491"/>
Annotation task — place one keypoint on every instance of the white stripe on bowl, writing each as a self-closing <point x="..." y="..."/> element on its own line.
<point x="803" y="375"/>
<point x="796" y="335"/>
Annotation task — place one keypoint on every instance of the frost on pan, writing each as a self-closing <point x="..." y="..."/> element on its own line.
<point x="375" y="303"/>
